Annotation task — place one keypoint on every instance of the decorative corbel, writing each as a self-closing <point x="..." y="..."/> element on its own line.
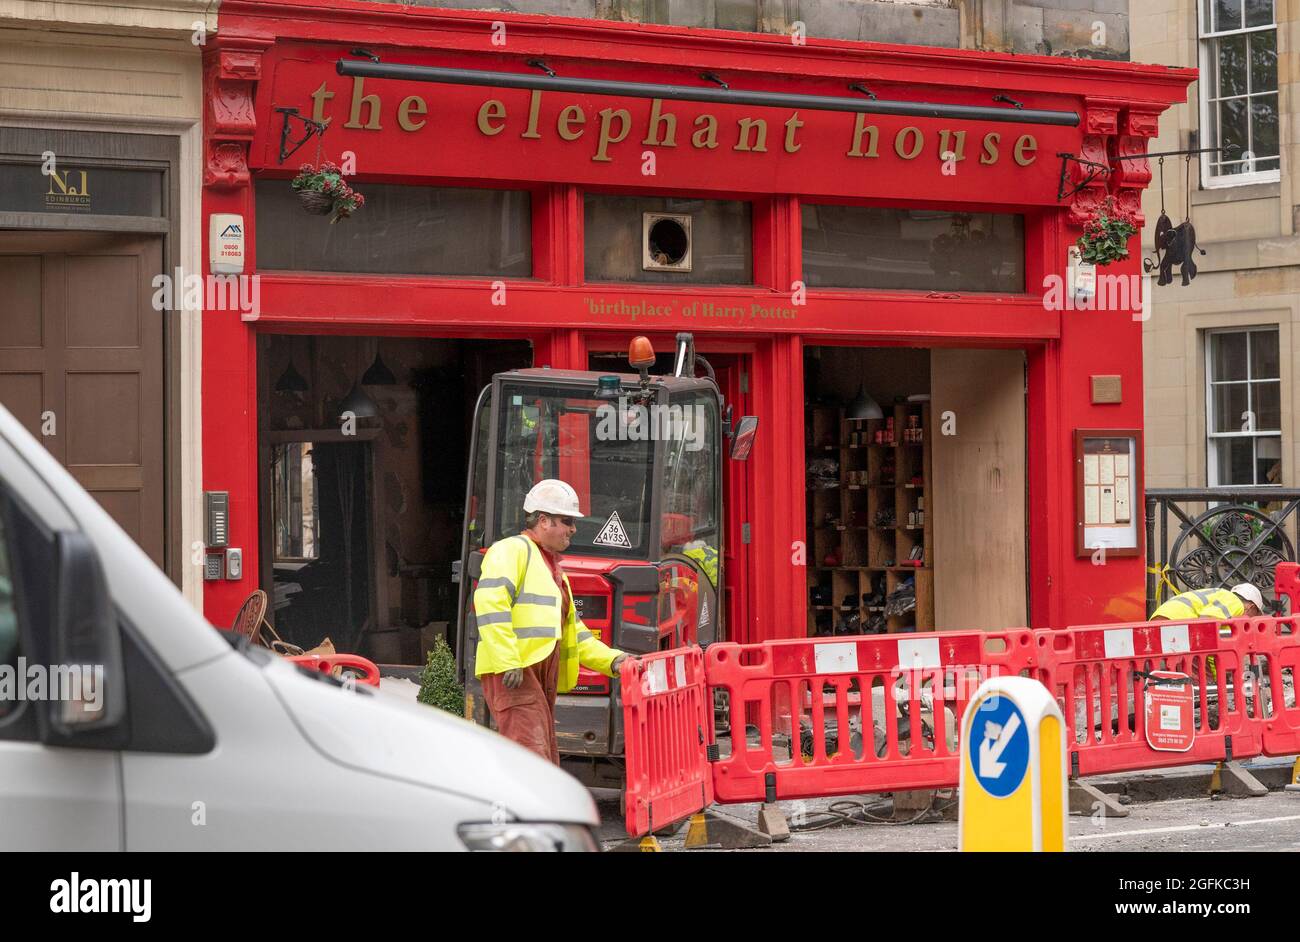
<point x="1100" y="122"/>
<point x="230" y="78"/>
<point x="1131" y="176"/>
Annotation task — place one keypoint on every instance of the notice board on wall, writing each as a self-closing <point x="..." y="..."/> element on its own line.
<point x="1108" y="472"/>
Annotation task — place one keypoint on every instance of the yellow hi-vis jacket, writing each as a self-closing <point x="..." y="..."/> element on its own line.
<point x="1201" y="603"/>
<point x="517" y="611"/>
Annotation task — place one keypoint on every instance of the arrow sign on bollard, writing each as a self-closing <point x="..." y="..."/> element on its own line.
<point x="998" y="745"/>
<point x="1013" y="782"/>
<point x="991" y="748"/>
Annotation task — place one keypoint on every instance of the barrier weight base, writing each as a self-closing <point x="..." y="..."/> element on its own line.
<point x="708" y="829"/>
<point x="772" y="822"/>
<point x="1087" y="799"/>
<point x="1232" y="780"/>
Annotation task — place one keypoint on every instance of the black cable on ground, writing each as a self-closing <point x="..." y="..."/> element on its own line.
<point x="853" y="813"/>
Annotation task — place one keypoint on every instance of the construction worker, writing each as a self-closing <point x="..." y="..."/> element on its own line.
<point x="531" y="640"/>
<point x="1242" y="600"/>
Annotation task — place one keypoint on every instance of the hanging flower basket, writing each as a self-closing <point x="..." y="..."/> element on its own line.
<point x="1105" y="236"/>
<point x="316" y="202"/>
<point x="322" y="190"/>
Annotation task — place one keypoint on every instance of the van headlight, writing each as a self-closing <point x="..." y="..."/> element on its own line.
<point x="527" y="836"/>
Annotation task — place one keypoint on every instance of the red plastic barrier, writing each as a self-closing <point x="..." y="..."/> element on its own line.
<point x="365" y="671"/>
<point x="668" y="720"/>
<point x="790" y="703"/>
<point x="1286" y="583"/>
<point x="819" y="717"/>
<point x="1279" y="653"/>
<point x="1096" y="674"/>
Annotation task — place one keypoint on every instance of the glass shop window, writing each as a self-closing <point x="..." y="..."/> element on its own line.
<point x="401" y="230"/>
<point x="662" y="240"/>
<point x="912" y="249"/>
<point x="1244" y="404"/>
<point x="1239" y="92"/>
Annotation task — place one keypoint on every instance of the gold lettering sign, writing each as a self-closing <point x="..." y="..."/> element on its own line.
<point x="414" y="103"/>
<point x="990" y="155"/>
<point x="873" y="132"/>
<point x="906" y="151"/>
<point x="68" y="189"/>
<point x="656" y="135"/>
<point x="792" y="124"/>
<point x="490" y="111"/>
<point x="1025" y="147"/>
<point x="744" y="142"/>
<point x="570" y="117"/>
<point x="958" y="151"/>
<point x="707" y="135"/>
<point x="607" y="116"/>
<point x="361" y="100"/>
<point x="615" y="125"/>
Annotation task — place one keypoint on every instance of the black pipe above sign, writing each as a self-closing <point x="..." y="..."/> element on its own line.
<point x="715" y="94"/>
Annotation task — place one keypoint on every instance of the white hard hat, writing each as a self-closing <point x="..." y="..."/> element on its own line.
<point x="1251" y="594"/>
<point x="552" y="497"/>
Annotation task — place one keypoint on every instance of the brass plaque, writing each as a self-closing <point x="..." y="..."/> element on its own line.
<point x="1106" y="389"/>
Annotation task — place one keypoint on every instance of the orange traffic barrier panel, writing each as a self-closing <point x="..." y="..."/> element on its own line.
<point x="807" y="718"/>
<point x="813" y="717"/>
<point x="667" y="720"/>
<point x="1118" y="687"/>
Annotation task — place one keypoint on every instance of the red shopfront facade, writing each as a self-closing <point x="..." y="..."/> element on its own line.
<point x="559" y="146"/>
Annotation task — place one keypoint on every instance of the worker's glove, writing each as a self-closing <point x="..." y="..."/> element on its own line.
<point x="617" y="666"/>
<point x="513" y="678"/>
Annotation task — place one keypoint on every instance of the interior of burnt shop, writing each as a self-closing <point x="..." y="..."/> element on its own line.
<point x="358" y="532"/>
<point x="916" y="489"/>
<point x="869" y="492"/>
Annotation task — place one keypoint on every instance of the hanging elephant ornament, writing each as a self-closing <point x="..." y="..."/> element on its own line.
<point x="1163" y="227"/>
<point x="1177" y="246"/>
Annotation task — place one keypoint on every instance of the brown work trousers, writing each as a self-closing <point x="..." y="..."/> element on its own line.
<point x="527" y="713"/>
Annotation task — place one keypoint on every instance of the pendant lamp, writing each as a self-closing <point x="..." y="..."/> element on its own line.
<point x="863" y="406"/>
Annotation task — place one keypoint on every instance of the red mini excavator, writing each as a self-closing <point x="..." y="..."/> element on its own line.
<point x="644" y="453"/>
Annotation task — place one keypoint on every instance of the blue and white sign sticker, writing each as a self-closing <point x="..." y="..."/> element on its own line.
<point x="999" y="745"/>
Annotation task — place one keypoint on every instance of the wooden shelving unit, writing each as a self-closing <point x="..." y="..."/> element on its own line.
<point x="850" y="549"/>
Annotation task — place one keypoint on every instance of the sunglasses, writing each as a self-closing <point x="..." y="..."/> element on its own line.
<point x="565" y="521"/>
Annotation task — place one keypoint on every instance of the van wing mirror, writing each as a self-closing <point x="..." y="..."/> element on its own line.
<point x="87" y="645"/>
<point x="742" y="443"/>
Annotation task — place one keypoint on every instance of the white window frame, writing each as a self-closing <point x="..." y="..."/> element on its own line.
<point x="1209" y="179"/>
<point x="1211" y="436"/>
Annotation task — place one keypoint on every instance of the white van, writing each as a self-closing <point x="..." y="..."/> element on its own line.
<point x="193" y="742"/>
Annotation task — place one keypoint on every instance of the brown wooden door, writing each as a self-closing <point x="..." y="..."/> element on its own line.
<point x="81" y="364"/>
<point x="976" y="502"/>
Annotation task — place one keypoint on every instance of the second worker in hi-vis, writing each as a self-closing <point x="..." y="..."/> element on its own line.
<point x="530" y="638"/>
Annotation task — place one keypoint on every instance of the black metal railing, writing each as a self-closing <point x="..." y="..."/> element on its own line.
<point x="1224" y="536"/>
